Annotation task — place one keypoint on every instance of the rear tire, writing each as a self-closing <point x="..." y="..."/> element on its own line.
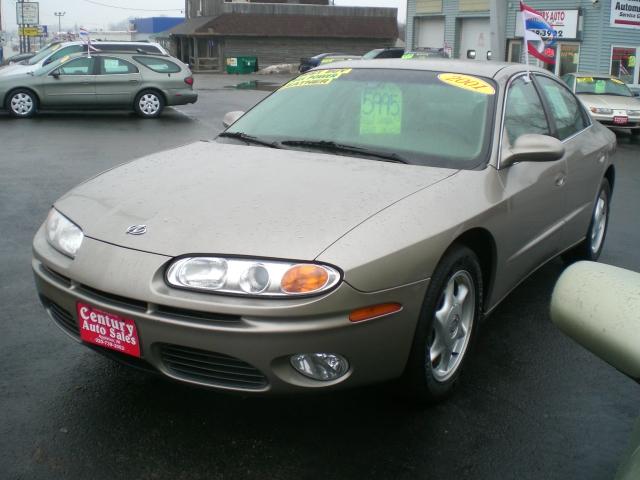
<point x="447" y="327"/>
<point x="591" y="247"/>
<point x="148" y="104"/>
<point x="22" y="103"/>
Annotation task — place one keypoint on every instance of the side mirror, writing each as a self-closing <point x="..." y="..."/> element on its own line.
<point x="231" y="117"/>
<point x="56" y="74"/>
<point x="471" y="54"/>
<point x="532" y="147"/>
<point x="598" y="306"/>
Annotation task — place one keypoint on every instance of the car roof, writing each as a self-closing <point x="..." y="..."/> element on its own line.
<point x="473" y="67"/>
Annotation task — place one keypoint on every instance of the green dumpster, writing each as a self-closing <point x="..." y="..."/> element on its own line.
<point x="242" y="64"/>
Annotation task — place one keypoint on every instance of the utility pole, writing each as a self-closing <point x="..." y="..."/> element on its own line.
<point x="498" y="25"/>
<point x="59" y="15"/>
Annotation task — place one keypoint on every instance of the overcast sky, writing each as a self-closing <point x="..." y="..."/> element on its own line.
<point x="87" y="14"/>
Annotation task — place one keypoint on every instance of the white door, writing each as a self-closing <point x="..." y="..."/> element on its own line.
<point x="429" y="32"/>
<point x="475" y="36"/>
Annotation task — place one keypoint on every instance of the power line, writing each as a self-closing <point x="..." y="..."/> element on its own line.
<point x="133" y="9"/>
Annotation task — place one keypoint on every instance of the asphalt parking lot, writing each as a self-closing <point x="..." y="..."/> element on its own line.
<point x="533" y="404"/>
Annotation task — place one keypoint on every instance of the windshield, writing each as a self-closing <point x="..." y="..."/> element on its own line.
<point x="371" y="54"/>
<point x="44" y="53"/>
<point x="425" y="117"/>
<point x="602" y="86"/>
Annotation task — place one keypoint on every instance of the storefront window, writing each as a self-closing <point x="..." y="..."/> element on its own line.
<point x="623" y="63"/>
<point x="569" y="58"/>
<point x="515" y="51"/>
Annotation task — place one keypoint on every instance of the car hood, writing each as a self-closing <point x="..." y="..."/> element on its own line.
<point x="610" y="101"/>
<point x="218" y="198"/>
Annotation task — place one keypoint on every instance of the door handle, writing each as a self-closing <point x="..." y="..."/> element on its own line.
<point x="86" y="83"/>
<point x="135" y="82"/>
<point x="561" y="179"/>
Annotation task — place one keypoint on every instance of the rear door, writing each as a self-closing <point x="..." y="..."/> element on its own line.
<point x="72" y="84"/>
<point x="117" y="82"/>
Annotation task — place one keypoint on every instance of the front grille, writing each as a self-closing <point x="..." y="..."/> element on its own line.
<point x="195" y="315"/>
<point x="66" y="281"/>
<point x="62" y="317"/>
<point x="117" y="300"/>
<point x="211" y="368"/>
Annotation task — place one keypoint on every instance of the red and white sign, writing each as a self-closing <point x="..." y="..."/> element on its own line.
<point x="108" y="330"/>
<point x="625" y="13"/>
<point x="620" y="120"/>
<point x="565" y="22"/>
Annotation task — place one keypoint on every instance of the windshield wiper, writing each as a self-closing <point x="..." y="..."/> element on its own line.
<point x="249" y="139"/>
<point x="340" y="147"/>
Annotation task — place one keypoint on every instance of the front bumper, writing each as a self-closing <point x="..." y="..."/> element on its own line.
<point x="227" y="343"/>
<point x="607" y="120"/>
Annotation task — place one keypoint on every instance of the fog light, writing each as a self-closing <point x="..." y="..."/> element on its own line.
<point x="320" y="366"/>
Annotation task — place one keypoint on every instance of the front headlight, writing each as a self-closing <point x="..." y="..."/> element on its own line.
<point x="262" y="278"/>
<point x="62" y="234"/>
<point x="602" y="111"/>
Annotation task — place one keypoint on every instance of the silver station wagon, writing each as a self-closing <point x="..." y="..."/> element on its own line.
<point x="353" y="227"/>
<point x="142" y="82"/>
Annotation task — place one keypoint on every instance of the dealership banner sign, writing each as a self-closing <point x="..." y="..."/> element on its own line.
<point x="564" y="22"/>
<point x="625" y="13"/>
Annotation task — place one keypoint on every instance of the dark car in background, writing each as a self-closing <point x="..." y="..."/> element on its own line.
<point x="386" y="52"/>
<point x="324" y="58"/>
<point x="20" y="57"/>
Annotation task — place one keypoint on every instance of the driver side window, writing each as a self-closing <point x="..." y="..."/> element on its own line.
<point x="524" y="112"/>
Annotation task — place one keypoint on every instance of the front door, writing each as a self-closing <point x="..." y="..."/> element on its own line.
<point x="117" y="82"/>
<point x="584" y="155"/>
<point x="72" y="84"/>
<point x="536" y="191"/>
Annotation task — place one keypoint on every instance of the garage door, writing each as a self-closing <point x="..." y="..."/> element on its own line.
<point x="429" y="32"/>
<point x="475" y="34"/>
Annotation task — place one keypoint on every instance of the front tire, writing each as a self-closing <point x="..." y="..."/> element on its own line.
<point x="447" y="327"/>
<point x="591" y="247"/>
<point x="149" y="104"/>
<point x="22" y="103"/>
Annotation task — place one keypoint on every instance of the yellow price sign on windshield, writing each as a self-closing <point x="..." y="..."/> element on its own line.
<point x="381" y="110"/>
<point x="317" y="77"/>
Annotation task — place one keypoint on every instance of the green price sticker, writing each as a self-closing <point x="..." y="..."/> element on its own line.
<point x="601" y="86"/>
<point x="381" y="110"/>
<point x="408" y="55"/>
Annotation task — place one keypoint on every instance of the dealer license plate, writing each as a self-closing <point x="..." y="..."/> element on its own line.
<point x="108" y="330"/>
<point x="620" y="120"/>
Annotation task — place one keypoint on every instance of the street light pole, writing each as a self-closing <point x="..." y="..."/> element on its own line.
<point x="59" y="15"/>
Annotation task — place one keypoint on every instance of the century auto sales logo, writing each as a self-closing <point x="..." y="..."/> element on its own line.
<point x="108" y="330"/>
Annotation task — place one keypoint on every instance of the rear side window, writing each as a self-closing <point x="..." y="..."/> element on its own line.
<point x="524" y="112"/>
<point x="159" y="65"/>
<point x="114" y="66"/>
<point x="565" y="108"/>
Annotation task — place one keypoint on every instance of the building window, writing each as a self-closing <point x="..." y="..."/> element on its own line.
<point x="515" y="51"/>
<point x="623" y="63"/>
<point x="569" y="58"/>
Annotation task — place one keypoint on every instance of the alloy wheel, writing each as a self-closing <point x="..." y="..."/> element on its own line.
<point x="21" y="104"/>
<point x="452" y="324"/>
<point x="149" y="104"/>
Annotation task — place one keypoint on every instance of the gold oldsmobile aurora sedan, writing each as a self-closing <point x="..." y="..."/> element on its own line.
<point x="353" y="227"/>
<point x="141" y="82"/>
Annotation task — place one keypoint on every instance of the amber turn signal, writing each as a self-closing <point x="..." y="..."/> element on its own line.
<point x="375" y="311"/>
<point x="304" y="279"/>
